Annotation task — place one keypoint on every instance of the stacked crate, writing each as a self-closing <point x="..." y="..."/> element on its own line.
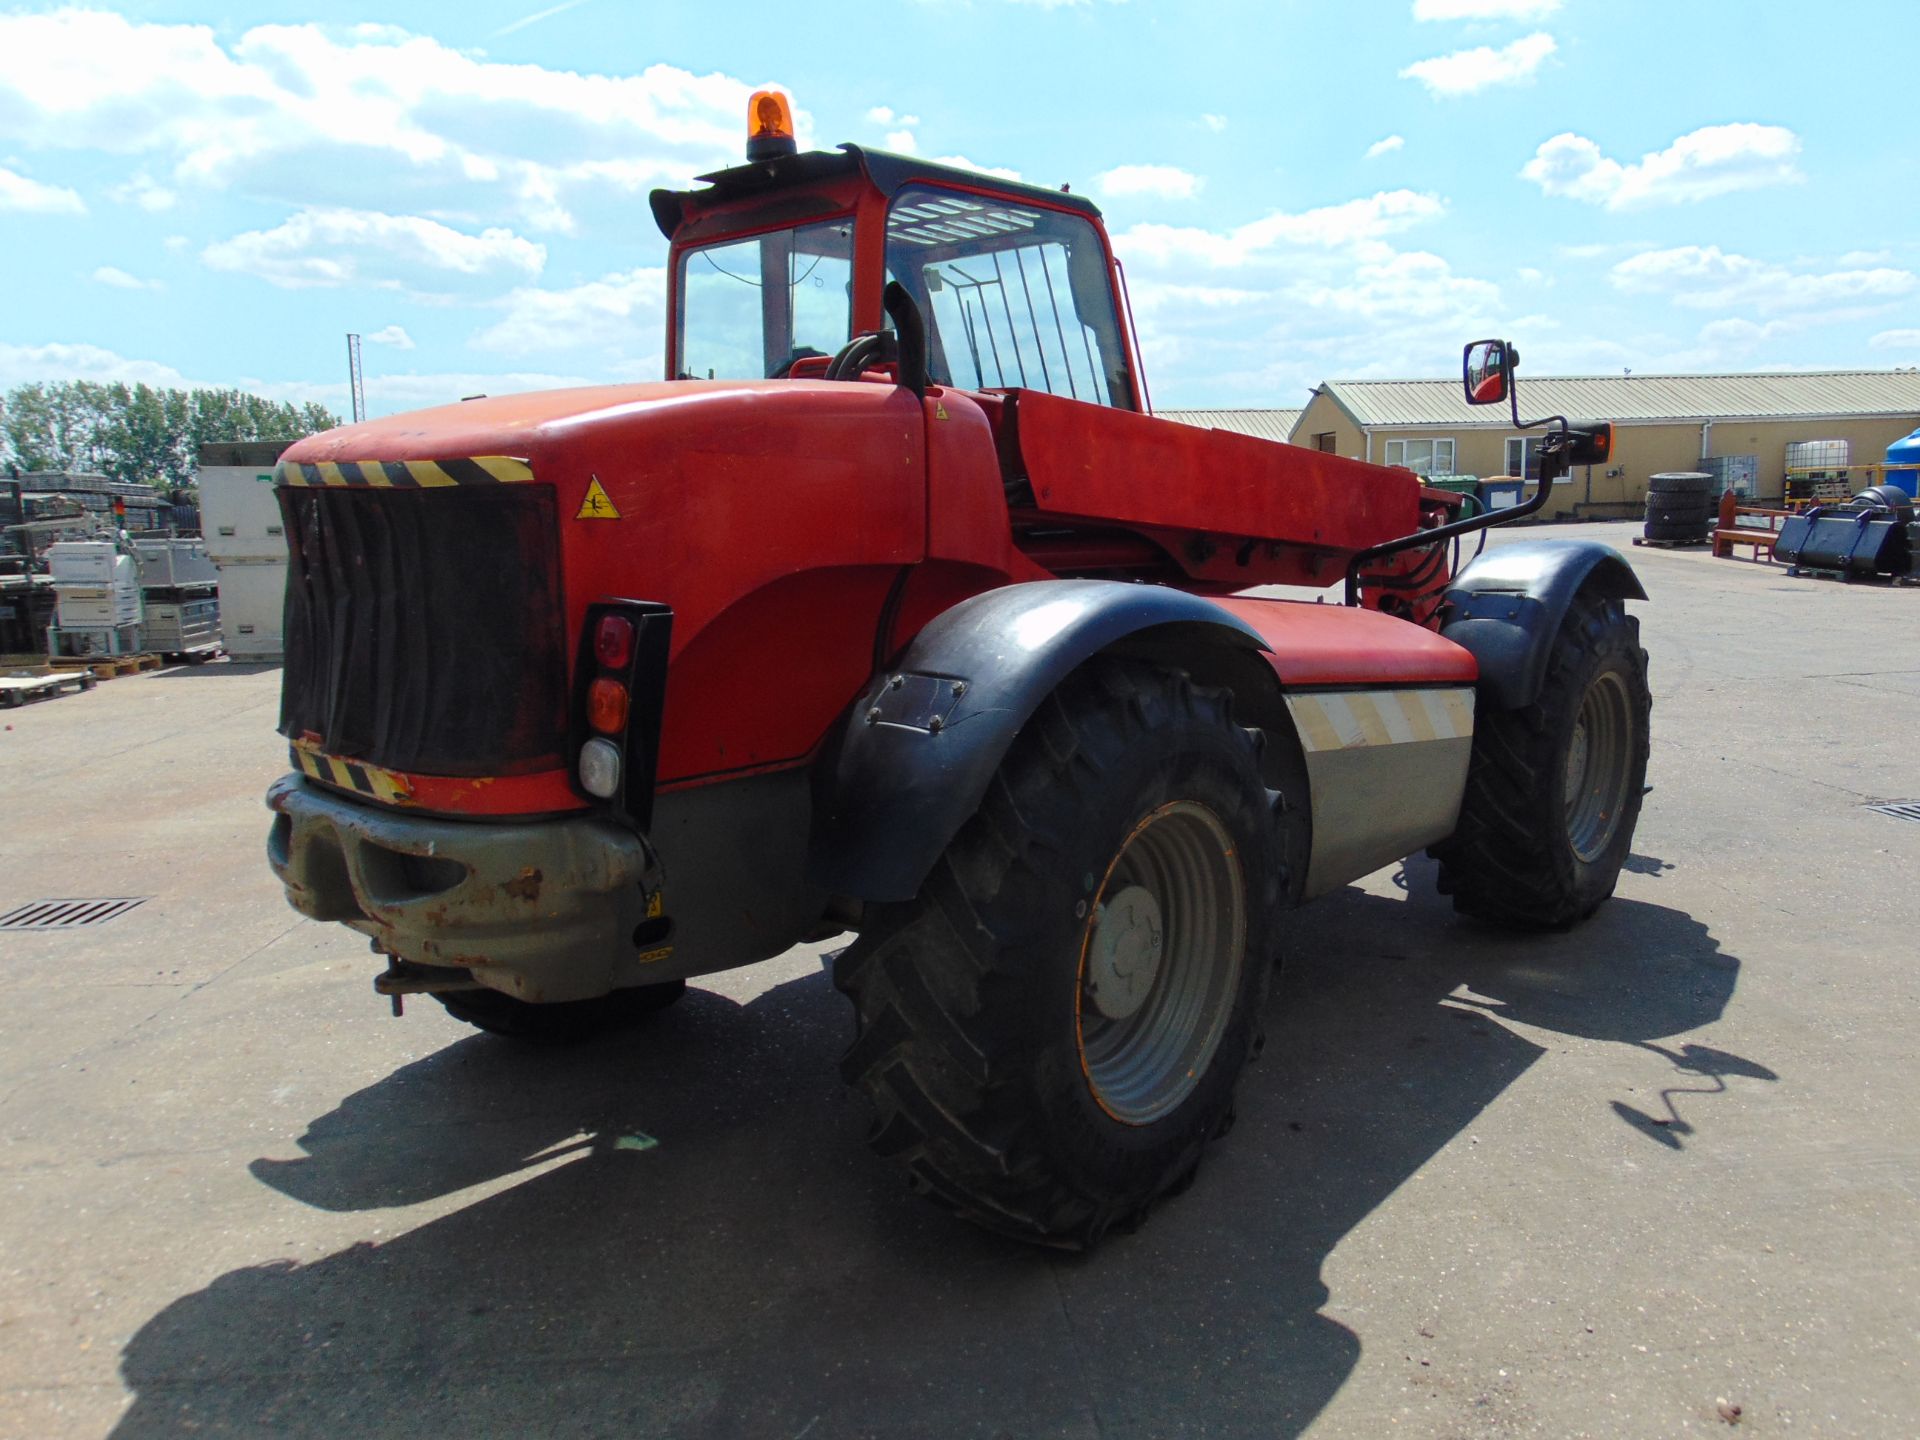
<point x="97" y="609"/>
<point x="179" y="590"/>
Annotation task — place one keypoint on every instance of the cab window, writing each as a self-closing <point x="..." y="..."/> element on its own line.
<point x="749" y="308"/>
<point x="1014" y="295"/>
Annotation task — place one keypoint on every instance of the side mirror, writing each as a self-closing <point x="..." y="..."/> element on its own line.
<point x="1487" y="368"/>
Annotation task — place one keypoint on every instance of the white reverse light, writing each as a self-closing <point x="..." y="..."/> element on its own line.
<point x="600" y="768"/>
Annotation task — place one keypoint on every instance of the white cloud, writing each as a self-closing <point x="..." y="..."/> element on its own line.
<point x="1402" y="288"/>
<point x="119" y="279"/>
<point x="364" y="116"/>
<point x="1908" y="340"/>
<point x="1215" y="123"/>
<point x="1735" y="339"/>
<point x="1706" y="278"/>
<point x="1165" y="182"/>
<point x="1354" y="223"/>
<point x="393" y="335"/>
<point x="1484" y="9"/>
<point x="144" y="191"/>
<point x="622" y="313"/>
<point x="904" y="143"/>
<point x="1257" y="313"/>
<point x="1866" y="257"/>
<point x="344" y="247"/>
<point x="25" y="364"/>
<point x="1467" y="72"/>
<point x="884" y="115"/>
<point x="1386" y="146"/>
<point x="17" y="192"/>
<point x="1714" y="160"/>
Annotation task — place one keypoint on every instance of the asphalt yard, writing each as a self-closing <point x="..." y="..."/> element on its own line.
<point x="1656" y="1176"/>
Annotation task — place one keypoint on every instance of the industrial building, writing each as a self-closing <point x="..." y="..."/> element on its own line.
<point x="1662" y="423"/>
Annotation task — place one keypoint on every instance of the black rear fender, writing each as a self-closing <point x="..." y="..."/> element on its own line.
<point x="915" y="755"/>
<point x="1507" y="606"/>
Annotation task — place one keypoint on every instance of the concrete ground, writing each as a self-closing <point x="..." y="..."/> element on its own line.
<point x="1609" y="1183"/>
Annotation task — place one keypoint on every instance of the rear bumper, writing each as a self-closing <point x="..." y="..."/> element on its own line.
<point x="544" y="911"/>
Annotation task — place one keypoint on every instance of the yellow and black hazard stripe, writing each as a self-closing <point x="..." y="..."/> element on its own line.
<point x="406" y="474"/>
<point x="368" y="780"/>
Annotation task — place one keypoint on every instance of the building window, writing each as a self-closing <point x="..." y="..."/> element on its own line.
<point x="1323" y="442"/>
<point x="1523" y="458"/>
<point x="1423" y="457"/>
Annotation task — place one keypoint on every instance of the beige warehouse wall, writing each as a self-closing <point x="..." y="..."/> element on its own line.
<point x="1638" y="451"/>
<point x="1323" y="416"/>
<point x="1868" y="439"/>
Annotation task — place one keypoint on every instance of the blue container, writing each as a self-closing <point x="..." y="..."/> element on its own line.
<point x="1501" y="494"/>
<point x="1903" y="464"/>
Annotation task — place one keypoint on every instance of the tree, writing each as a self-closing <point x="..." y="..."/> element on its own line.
<point x="139" y="433"/>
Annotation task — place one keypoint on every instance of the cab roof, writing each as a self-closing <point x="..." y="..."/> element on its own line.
<point x="886" y="172"/>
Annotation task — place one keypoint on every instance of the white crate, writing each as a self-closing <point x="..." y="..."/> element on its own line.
<point x="71" y="612"/>
<point x="84" y="562"/>
<point x="252" y="598"/>
<point x="240" y="514"/>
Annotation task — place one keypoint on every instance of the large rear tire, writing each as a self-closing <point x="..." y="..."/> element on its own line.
<point x="1052" y="1031"/>
<point x="1553" y="792"/>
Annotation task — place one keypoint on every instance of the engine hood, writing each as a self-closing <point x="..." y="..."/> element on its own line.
<point x="530" y="426"/>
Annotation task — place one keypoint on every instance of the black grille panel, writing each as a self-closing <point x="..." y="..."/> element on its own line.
<point x="424" y="629"/>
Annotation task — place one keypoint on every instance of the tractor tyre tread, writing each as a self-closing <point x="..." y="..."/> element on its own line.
<point x="1680" y="485"/>
<point x="1509" y="860"/>
<point x="948" y="1046"/>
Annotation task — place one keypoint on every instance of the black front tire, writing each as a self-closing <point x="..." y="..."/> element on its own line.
<point x="565" y="1022"/>
<point x="1012" y="1091"/>
<point x="1554" y="788"/>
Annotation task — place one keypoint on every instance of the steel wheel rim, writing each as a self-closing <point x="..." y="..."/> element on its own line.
<point x="1144" y="1066"/>
<point x="1599" y="762"/>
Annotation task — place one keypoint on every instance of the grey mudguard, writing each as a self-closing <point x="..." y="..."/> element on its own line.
<point x="916" y="754"/>
<point x="1508" y="604"/>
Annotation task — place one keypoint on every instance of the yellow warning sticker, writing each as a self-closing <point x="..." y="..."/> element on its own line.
<point x="656" y="905"/>
<point x="651" y="957"/>
<point x="595" y="505"/>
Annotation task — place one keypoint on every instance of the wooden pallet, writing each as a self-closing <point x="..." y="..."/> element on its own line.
<point x="106" y="667"/>
<point x="17" y="690"/>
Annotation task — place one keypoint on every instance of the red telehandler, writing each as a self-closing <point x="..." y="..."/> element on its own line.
<point x="895" y="611"/>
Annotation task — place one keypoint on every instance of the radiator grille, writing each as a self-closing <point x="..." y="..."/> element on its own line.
<point x="424" y="629"/>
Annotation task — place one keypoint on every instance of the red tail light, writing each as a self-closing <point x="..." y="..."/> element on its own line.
<point x="613" y="643"/>
<point x="607" y="703"/>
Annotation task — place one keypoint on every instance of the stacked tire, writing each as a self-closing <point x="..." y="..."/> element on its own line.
<point x="1681" y="507"/>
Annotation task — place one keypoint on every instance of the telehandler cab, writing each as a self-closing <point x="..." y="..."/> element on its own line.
<point x="896" y="611"/>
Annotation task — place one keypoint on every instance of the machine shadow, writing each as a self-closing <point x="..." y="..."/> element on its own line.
<point x="721" y="1257"/>
<point x="187" y="669"/>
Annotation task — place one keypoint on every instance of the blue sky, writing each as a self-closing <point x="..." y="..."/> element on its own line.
<point x="1299" y="191"/>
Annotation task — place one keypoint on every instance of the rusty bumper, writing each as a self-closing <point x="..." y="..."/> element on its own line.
<point x="546" y="911"/>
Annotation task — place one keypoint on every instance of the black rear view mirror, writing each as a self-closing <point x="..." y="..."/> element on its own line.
<point x="1487" y="368"/>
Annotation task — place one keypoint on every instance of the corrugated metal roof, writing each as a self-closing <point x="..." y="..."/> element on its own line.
<point x="1772" y="395"/>
<point x="1267" y="424"/>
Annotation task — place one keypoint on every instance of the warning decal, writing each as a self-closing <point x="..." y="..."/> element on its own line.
<point x="595" y="505"/>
